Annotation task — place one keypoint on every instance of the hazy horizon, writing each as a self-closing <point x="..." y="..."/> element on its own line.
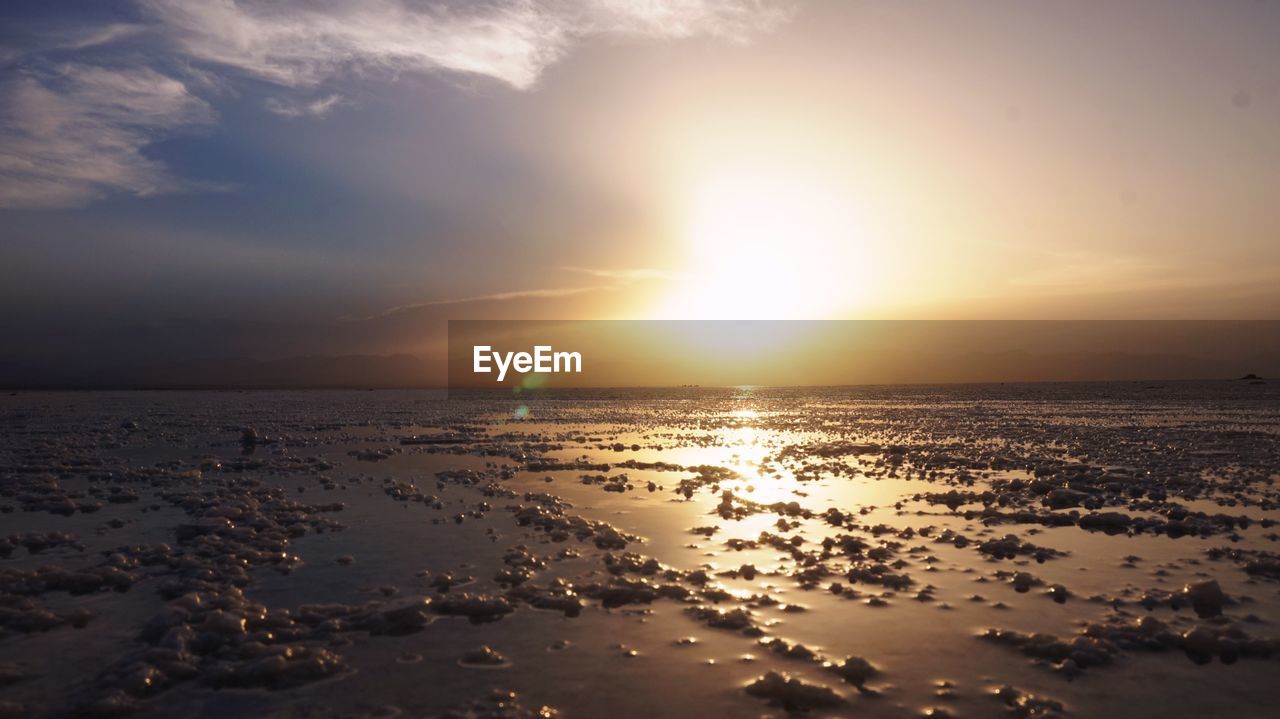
<point x="620" y="353"/>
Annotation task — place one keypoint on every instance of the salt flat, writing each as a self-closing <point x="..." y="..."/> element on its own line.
<point x="987" y="550"/>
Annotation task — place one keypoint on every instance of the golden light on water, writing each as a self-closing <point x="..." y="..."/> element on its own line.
<point x="744" y="449"/>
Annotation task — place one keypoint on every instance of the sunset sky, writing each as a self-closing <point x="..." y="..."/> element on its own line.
<point x="263" y="179"/>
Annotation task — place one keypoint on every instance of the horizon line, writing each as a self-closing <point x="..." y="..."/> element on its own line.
<point x="72" y="387"/>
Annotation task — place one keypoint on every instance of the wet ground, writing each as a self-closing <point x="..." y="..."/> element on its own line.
<point x="1016" y="550"/>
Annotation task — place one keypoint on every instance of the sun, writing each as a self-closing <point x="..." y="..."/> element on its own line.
<point x="766" y="244"/>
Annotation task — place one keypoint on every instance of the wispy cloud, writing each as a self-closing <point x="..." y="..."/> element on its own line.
<point x="309" y="108"/>
<point x="76" y="133"/>
<point x="84" y="38"/>
<point x="67" y="37"/>
<point x="304" y="43"/>
<point x="537" y="294"/>
<point x="626" y="274"/>
<point x="1091" y="270"/>
<point x="618" y="279"/>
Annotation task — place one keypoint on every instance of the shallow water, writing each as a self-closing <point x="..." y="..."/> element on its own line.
<point x="643" y="553"/>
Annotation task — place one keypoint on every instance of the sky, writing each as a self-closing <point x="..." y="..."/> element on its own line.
<point x="190" y="180"/>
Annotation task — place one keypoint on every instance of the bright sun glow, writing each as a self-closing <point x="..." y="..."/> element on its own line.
<point x="770" y="245"/>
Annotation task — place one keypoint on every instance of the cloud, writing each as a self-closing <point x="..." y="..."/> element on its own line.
<point x="84" y="38"/>
<point x="628" y="274"/>
<point x="516" y="295"/>
<point x="72" y="133"/>
<point x="619" y="278"/>
<point x="314" y="108"/>
<point x="300" y="44"/>
<point x="76" y="133"/>
<point x="68" y="37"/>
